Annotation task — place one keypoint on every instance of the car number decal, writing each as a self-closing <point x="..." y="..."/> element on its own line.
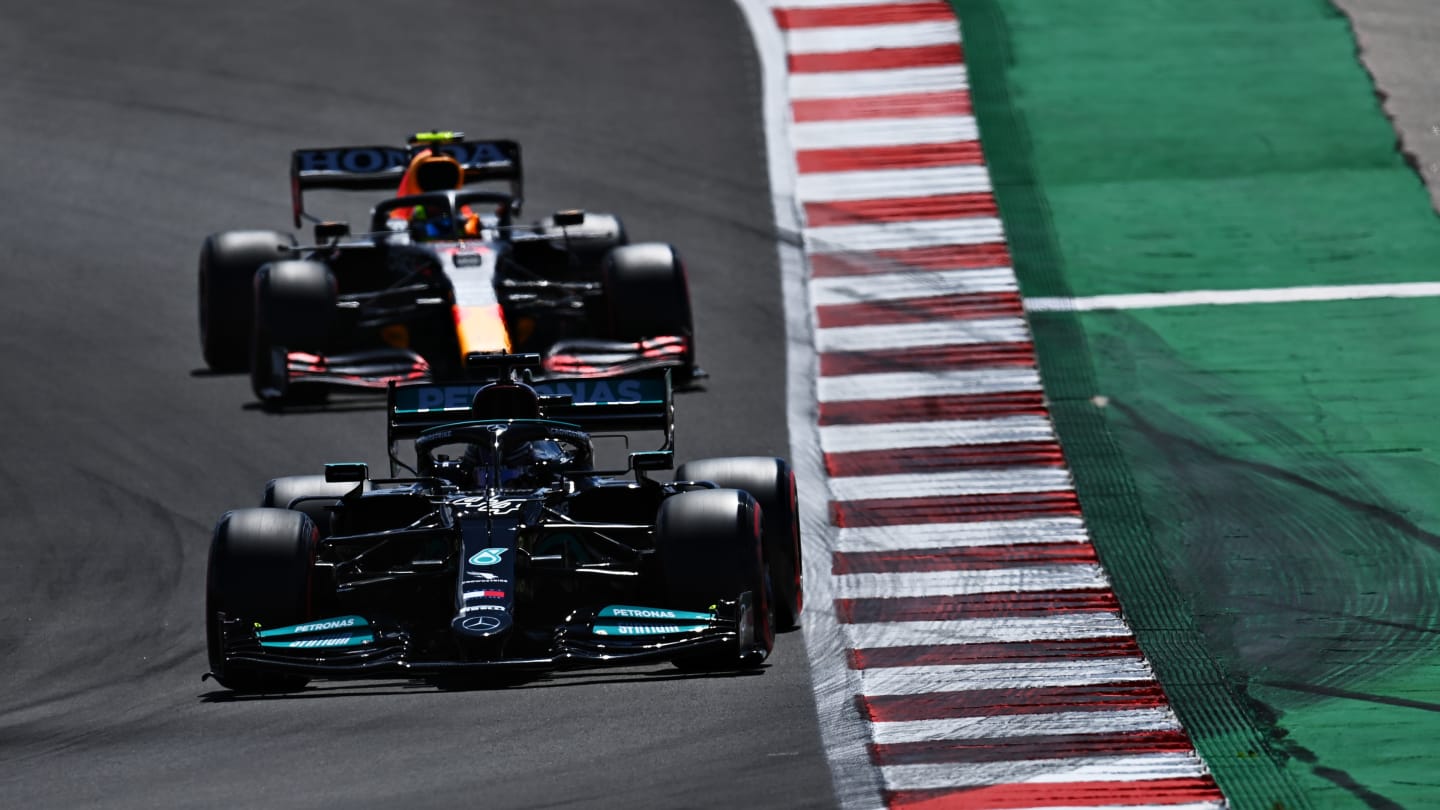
<point x="495" y="506"/>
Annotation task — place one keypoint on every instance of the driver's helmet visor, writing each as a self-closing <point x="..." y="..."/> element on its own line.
<point x="434" y="223"/>
<point x="518" y="463"/>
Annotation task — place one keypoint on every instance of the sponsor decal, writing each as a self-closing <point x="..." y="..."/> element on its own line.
<point x="423" y="399"/>
<point x="484" y="607"/>
<point x="633" y="612"/>
<point x="469" y="259"/>
<point x="650" y="629"/>
<point x="476" y="154"/>
<point x="647" y="629"/>
<point x="352" y="161"/>
<point x="495" y="506"/>
<point x="332" y="624"/>
<point x="487" y="556"/>
<point x="315" y="627"/>
<point x="321" y="642"/>
<point x="437" y="398"/>
<point x="372" y="160"/>
<point x="481" y="623"/>
<point x="644" y="613"/>
<point x="485" y="575"/>
<point x="582" y="391"/>
<point x="486" y="594"/>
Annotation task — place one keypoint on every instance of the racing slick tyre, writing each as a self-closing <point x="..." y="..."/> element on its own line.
<point x="708" y="547"/>
<point x="228" y="263"/>
<point x="294" y="311"/>
<point x="310" y="494"/>
<point x="646" y="293"/>
<point x="259" y="571"/>
<point x="772" y="483"/>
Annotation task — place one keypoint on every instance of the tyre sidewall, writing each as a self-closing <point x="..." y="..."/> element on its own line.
<point x="228" y="263"/>
<point x="709" y="549"/>
<point x="259" y="570"/>
<point x="771" y="482"/>
<point x="646" y="292"/>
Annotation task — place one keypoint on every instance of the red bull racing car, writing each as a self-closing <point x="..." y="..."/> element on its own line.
<point x="507" y="548"/>
<point x="443" y="269"/>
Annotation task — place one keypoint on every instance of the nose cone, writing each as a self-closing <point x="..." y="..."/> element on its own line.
<point x="481" y="623"/>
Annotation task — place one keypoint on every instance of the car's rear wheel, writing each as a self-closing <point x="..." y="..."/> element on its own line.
<point x="772" y="483"/>
<point x="294" y="311"/>
<point x="228" y="263"/>
<point x="646" y="293"/>
<point x="310" y="494"/>
<point x="259" y="571"/>
<point x="708" y="546"/>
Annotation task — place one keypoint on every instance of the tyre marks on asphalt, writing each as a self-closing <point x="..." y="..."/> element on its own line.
<point x="985" y="657"/>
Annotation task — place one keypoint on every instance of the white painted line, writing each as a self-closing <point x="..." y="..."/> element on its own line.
<point x="789" y="4"/>
<point x="1121" y="721"/>
<point x="911" y="335"/>
<point x="1010" y="675"/>
<point x="903" y="435"/>
<point x="904" y="384"/>
<point x="884" y="132"/>
<point x="897" y="235"/>
<point x="1059" y="626"/>
<point x="891" y="184"/>
<point x="911" y="284"/>
<point x="1166" y="806"/>
<point x="843" y="38"/>
<point x="910" y="584"/>
<point x="953" y="535"/>
<point x="1185" y="806"/>
<point x="1079" y="769"/>
<point x="966" y="482"/>
<point x="1277" y="295"/>
<point x="857" y="83"/>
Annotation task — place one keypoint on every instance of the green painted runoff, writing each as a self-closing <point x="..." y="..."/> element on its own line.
<point x="1260" y="479"/>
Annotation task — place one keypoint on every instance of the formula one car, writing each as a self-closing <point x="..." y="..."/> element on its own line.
<point x="443" y="270"/>
<point x="506" y="550"/>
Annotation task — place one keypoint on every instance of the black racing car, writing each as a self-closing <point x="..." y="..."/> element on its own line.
<point x="506" y="549"/>
<point x="442" y="270"/>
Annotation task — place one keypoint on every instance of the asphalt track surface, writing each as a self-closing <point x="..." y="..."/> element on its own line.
<point x="129" y="132"/>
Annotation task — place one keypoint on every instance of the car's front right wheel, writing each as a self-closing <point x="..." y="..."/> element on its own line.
<point x="260" y="572"/>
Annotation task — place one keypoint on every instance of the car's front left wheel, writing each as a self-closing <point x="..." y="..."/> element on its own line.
<point x="708" y="546"/>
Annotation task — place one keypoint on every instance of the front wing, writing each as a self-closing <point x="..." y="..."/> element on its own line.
<point x="376" y="369"/>
<point x="365" y="650"/>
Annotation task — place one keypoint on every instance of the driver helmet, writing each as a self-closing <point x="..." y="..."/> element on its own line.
<point x="424" y="225"/>
<point x="532" y="463"/>
<point x="540" y="452"/>
<point x="524" y="465"/>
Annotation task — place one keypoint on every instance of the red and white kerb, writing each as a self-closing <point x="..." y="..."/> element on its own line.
<point x="966" y="646"/>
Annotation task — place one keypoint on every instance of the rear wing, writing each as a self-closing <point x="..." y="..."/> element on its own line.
<point x="634" y="403"/>
<point x="381" y="167"/>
